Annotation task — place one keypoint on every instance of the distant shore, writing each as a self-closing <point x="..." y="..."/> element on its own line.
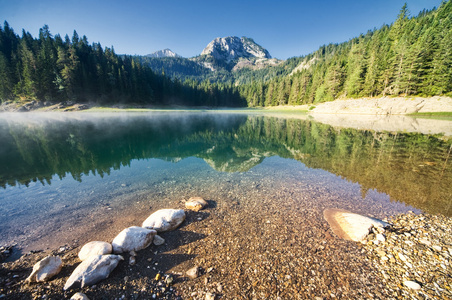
<point x="437" y="106"/>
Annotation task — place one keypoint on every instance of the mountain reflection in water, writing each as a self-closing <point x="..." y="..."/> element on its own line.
<point x="410" y="167"/>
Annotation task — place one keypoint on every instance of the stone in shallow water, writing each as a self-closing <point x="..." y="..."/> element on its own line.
<point x="195" y="203"/>
<point x="133" y="239"/>
<point x="45" y="269"/>
<point x="92" y="270"/>
<point x="351" y="226"/>
<point x="94" y="248"/>
<point x="165" y="219"/>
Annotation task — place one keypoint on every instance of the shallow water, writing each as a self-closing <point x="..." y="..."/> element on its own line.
<point x="74" y="177"/>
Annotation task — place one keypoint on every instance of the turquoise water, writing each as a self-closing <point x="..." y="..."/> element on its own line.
<point x="63" y="175"/>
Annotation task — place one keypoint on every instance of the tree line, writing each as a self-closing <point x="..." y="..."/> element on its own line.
<point x="413" y="56"/>
<point x="53" y="69"/>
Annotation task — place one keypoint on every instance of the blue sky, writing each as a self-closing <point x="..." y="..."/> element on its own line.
<point x="285" y="28"/>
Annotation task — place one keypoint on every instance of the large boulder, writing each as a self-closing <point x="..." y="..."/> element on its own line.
<point x="92" y="270"/>
<point x="165" y="219"/>
<point x="94" y="248"/>
<point x="195" y="203"/>
<point x="45" y="269"/>
<point x="133" y="239"/>
<point x="351" y="226"/>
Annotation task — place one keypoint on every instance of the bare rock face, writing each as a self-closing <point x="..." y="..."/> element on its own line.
<point x="45" y="269"/>
<point x="94" y="248"/>
<point x="133" y="239"/>
<point x="92" y="270"/>
<point x="351" y="226"/>
<point x="195" y="203"/>
<point x="232" y="47"/>
<point x="165" y="219"/>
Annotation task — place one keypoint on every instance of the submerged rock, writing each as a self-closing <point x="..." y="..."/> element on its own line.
<point x="133" y="239"/>
<point x="351" y="226"/>
<point x="165" y="219"/>
<point x="195" y="203"/>
<point x="94" y="248"/>
<point x="92" y="270"/>
<point x="45" y="269"/>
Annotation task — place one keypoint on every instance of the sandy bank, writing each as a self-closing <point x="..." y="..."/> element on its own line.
<point x="385" y="106"/>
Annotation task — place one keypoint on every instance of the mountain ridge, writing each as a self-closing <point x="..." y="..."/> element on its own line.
<point x="163" y="53"/>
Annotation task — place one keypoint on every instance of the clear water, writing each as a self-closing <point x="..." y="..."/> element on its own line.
<point x="71" y="176"/>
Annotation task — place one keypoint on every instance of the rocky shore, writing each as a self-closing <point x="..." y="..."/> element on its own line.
<point x="207" y="258"/>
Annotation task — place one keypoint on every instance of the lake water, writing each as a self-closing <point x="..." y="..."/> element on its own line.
<point x="68" y="178"/>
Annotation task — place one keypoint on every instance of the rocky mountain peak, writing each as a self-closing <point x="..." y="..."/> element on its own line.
<point x="231" y="48"/>
<point x="163" y="53"/>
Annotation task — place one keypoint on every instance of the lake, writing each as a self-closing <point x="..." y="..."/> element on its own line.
<point x="68" y="178"/>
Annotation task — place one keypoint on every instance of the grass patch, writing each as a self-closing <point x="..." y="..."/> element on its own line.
<point x="433" y="115"/>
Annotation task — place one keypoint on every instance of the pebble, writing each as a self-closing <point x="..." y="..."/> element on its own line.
<point x="437" y="248"/>
<point x="158" y="240"/>
<point x="79" y="296"/>
<point x="195" y="203"/>
<point x="425" y="242"/>
<point x="380" y="237"/>
<point x="412" y="285"/>
<point x="193" y="272"/>
<point x="415" y="256"/>
<point x="210" y="296"/>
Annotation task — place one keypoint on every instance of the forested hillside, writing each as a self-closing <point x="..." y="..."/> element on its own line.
<point x="52" y="69"/>
<point x="413" y="56"/>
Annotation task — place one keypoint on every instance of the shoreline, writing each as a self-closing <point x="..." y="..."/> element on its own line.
<point x="417" y="249"/>
<point x="440" y="106"/>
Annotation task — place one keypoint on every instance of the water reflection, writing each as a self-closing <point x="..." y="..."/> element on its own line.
<point x="410" y="167"/>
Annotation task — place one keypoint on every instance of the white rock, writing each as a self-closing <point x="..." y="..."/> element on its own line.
<point x="79" y="296"/>
<point x="380" y="237"/>
<point x="165" y="219"/>
<point x="45" y="269"/>
<point x="351" y="226"/>
<point x="210" y="296"/>
<point x="158" y="240"/>
<point x="195" y="203"/>
<point x="94" y="248"/>
<point x="412" y="285"/>
<point x="437" y="248"/>
<point x="193" y="272"/>
<point x="133" y="239"/>
<point x="402" y="257"/>
<point x="425" y="242"/>
<point x="92" y="270"/>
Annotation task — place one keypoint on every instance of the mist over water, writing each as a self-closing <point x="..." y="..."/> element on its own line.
<point x="65" y="174"/>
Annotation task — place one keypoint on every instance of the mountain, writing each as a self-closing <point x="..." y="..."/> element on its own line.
<point x="233" y="53"/>
<point x="163" y="53"/>
<point x="231" y="48"/>
<point x="228" y="59"/>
